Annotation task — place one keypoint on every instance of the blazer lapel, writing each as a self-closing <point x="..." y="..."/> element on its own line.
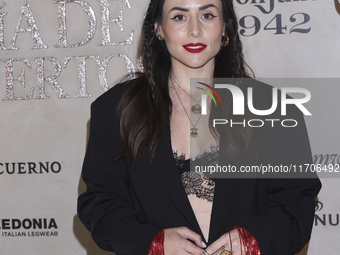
<point x="166" y="171"/>
<point x="225" y="191"/>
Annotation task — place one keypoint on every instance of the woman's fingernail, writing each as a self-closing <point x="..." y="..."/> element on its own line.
<point x="204" y="245"/>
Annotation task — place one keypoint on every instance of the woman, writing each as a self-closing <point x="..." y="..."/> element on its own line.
<point x="140" y="199"/>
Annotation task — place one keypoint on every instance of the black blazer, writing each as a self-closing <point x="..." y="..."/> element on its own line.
<point x="124" y="207"/>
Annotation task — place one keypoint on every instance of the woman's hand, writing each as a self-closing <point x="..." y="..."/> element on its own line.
<point x="230" y="241"/>
<point x="176" y="242"/>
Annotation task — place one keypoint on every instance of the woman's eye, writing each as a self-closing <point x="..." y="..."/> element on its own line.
<point x="208" y="16"/>
<point x="179" y="17"/>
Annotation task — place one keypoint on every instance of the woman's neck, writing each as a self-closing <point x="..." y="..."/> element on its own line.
<point x="182" y="74"/>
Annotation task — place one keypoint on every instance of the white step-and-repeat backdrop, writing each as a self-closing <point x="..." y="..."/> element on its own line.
<point x="56" y="57"/>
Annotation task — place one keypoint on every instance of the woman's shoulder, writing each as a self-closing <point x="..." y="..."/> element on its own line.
<point x="106" y="105"/>
<point x="261" y="90"/>
<point x="111" y="97"/>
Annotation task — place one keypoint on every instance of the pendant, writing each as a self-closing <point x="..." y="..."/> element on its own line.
<point x="196" y="109"/>
<point x="193" y="132"/>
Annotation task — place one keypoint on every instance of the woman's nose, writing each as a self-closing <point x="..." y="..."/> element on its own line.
<point x="195" y="28"/>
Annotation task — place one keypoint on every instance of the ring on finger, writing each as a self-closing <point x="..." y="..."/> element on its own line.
<point x="225" y="252"/>
<point x="206" y="253"/>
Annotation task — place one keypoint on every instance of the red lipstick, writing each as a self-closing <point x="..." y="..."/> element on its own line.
<point x="194" y="47"/>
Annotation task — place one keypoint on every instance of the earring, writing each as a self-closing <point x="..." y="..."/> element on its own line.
<point x="225" y="41"/>
<point x="161" y="38"/>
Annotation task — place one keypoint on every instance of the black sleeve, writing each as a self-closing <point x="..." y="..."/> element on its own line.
<point x="282" y="224"/>
<point x="106" y="208"/>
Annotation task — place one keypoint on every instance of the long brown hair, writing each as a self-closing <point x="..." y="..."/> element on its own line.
<point x="146" y="104"/>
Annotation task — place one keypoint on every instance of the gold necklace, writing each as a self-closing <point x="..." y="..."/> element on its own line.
<point x="194" y="129"/>
<point x="197" y="109"/>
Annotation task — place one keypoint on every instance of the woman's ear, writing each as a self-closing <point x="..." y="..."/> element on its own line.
<point x="158" y="29"/>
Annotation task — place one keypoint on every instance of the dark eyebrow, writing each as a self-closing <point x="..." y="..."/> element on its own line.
<point x="179" y="9"/>
<point x="204" y="7"/>
<point x="207" y="6"/>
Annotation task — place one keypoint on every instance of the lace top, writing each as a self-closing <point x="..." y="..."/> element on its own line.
<point x="197" y="183"/>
